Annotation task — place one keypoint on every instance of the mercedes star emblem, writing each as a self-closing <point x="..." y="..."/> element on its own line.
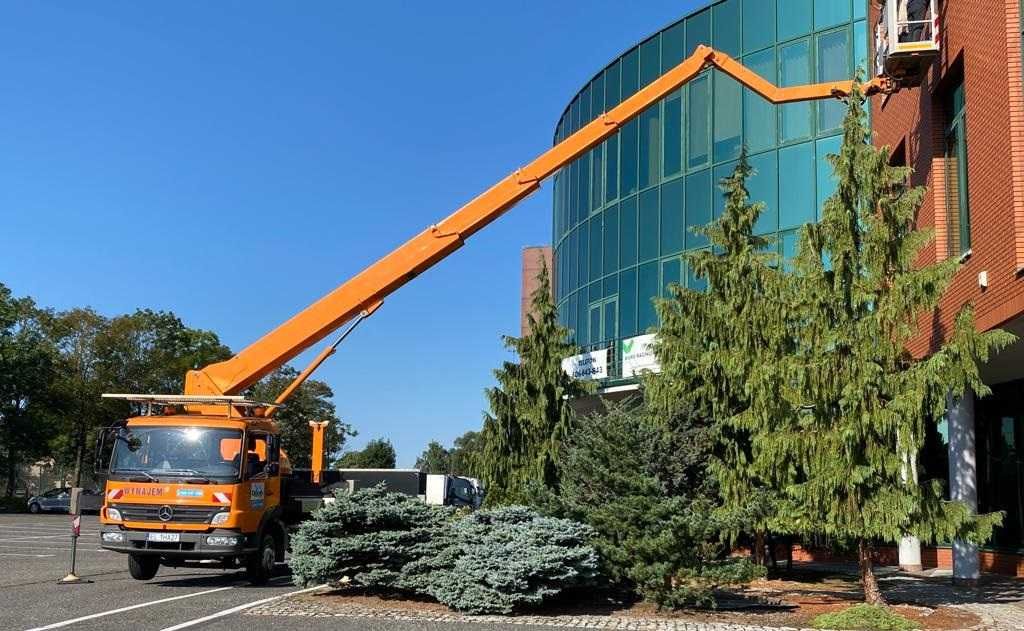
<point x="165" y="513"/>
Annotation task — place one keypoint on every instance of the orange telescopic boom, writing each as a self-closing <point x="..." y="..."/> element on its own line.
<point x="366" y="291"/>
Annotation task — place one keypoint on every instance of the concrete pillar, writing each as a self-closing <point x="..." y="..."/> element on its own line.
<point x="963" y="480"/>
<point x="910" y="546"/>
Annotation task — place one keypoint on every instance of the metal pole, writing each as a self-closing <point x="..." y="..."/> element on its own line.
<point x="75" y="509"/>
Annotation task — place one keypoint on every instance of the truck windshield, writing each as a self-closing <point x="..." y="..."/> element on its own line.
<point x="194" y="452"/>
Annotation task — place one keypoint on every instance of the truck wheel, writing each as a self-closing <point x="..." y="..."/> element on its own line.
<point x="143" y="567"/>
<point x="33" y="508"/>
<point x="260" y="566"/>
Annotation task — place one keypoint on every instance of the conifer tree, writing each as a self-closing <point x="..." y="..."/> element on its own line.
<point x="529" y="408"/>
<point x="832" y="407"/>
<point x="857" y="399"/>
<point x="711" y="344"/>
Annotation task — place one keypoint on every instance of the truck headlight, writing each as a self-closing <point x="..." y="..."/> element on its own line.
<point x="113" y="514"/>
<point x="220" y="518"/>
<point x="113" y="537"/>
<point x="219" y="540"/>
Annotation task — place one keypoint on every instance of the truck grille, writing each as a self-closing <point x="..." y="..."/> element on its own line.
<point x="182" y="514"/>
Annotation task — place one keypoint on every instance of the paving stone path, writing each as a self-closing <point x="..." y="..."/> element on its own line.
<point x="997" y="601"/>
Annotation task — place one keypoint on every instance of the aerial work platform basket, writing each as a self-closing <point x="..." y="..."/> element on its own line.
<point x="907" y="39"/>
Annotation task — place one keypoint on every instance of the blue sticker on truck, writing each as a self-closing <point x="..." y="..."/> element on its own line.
<point x="256" y="495"/>
<point x="190" y="493"/>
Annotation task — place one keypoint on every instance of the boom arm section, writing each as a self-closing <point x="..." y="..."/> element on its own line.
<point x="370" y="287"/>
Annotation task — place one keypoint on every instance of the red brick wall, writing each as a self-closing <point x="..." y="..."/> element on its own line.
<point x="984" y="36"/>
<point x="1006" y="563"/>
<point x="532" y="260"/>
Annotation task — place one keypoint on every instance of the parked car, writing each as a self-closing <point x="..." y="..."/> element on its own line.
<point x="59" y="500"/>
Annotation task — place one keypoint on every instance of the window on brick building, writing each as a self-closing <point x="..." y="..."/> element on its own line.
<point x="958" y="216"/>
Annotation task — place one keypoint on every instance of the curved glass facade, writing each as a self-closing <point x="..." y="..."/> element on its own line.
<point x="623" y="212"/>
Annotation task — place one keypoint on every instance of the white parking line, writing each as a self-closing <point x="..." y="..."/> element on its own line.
<point x="228" y="612"/>
<point x="34" y="556"/>
<point x="101" y="614"/>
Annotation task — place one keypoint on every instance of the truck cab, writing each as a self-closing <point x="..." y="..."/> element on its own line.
<point x="188" y="488"/>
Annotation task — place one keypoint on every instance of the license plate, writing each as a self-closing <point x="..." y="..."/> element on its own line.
<point x="164" y="537"/>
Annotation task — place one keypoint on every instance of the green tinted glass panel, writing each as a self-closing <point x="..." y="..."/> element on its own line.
<point x="699" y="122"/>
<point x="672" y="223"/>
<point x="650" y="146"/>
<point x="831" y="12"/>
<point x="672" y="134"/>
<point x="584" y="253"/>
<point x="628" y="157"/>
<point x="763" y="187"/>
<point x="630" y="73"/>
<point x="585" y="106"/>
<point x="573" y="261"/>
<point x="796" y="185"/>
<point x="584" y="186"/>
<point x="788" y="245"/>
<point x="612" y="77"/>
<point x="570" y="308"/>
<point x="860" y="9"/>
<point x="648" y="224"/>
<point x="672" y="45"/>
<point x="647" y="290"/>
<point x="794" y="18"/>
<point x="611" y="239"/>
<point x="728" y="117"/>
<point x="611" y="168"/>
<point x="627" y="302"/>
<point x="759" y="114"/>
<point x="597" y="95"/>
<point x="670" y="275"/>
<point x="758" y="24"/>
<point x="597" y="249"/>
<point x="825" y="178"/>
<point x="650" y="60"/>
<point x="627" y="231"/>
<point x="595" y="324"/>
<point x="833" y="57"/>
<point x="727" y="27"/>
<point x="609" y="324"/>
<point x="597" y="177"/>
<point x="860" y="48"/>
<point x="582" y="319"/>
<point x="795" y="69"/>
<point x="611" y="285"/>
<point x="698" y="207"/>
<point x="698" y="31"/>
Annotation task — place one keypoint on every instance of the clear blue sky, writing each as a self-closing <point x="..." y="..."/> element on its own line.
<point x="233" y="161"/>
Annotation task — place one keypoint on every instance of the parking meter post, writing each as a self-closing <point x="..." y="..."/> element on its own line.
<point x="76" y="529"/>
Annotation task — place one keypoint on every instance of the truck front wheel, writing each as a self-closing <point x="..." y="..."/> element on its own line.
<point x="143" y="567"/>
<point x="260" y="566"/>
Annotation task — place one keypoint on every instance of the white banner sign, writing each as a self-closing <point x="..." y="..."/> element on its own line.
<point x="587" y="366"/>
<point x="638" y="355"/>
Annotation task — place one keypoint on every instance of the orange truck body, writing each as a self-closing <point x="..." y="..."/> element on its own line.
<point x="248" y="502"/>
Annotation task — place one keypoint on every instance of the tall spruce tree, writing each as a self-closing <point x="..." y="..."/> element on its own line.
<point x="712" y="344"/>
<point x="858" y="400"/>
<point x="529" y="408"/>
<point x="831" y="402"/>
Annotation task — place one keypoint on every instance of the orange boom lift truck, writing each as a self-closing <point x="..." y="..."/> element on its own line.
<point x="202" y="477"/>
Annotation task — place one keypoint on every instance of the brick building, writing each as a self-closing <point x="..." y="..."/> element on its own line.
<point x="962" y="131"/>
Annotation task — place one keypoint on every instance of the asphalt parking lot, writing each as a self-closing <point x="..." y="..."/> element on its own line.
<point x="34" y="553"/>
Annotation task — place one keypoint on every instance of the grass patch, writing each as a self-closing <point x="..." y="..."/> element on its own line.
<point x="866" y="618"/>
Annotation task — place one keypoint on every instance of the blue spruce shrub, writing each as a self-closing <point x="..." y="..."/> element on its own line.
<point x="500" y="560"/>
<point x="369" y="536"/>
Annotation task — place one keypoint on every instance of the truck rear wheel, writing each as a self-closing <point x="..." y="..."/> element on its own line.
<point x="143" y="567"/>
<point x="260" y="566"/>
